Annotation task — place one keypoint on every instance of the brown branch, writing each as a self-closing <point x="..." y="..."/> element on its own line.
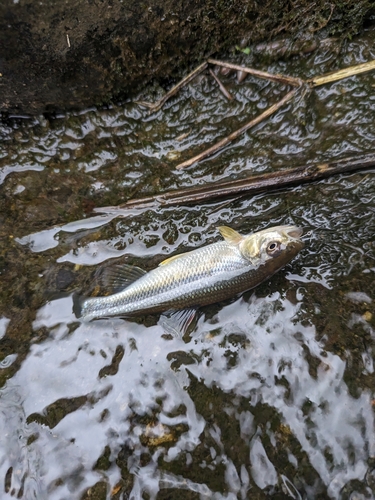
<point x="231" y="137"/>
<point x="296" y="82"/>
<point x="288" y="80"/>
<point x="251" y="185"/>
<point x="222" y="88"/>
<point x="153" y="107"/>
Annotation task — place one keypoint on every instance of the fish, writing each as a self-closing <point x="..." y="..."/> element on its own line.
<point x="203" y="276"/>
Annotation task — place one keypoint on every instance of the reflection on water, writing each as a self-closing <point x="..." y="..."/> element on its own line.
<point x="271" y="394"/>
<point x="164" y="411"/>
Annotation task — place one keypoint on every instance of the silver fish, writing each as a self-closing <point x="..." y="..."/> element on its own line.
<point x="209" y="274"/>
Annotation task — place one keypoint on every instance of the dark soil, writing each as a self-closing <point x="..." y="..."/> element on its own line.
<point x="71" y="54"/>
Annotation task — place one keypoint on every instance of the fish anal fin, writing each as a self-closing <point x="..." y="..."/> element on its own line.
<point x="119" y="276"/>
<point x="230" y="235"/>
<point x="177" y="322"/>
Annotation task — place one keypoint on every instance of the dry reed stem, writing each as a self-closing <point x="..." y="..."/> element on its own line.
<point x="231" y="137"/>
<point x="288" y="80"/>
<point x="153" y="107"/>
<point x="341" y="74"/>
<point x="222" y="88"/>
<point x="251" y="185"/>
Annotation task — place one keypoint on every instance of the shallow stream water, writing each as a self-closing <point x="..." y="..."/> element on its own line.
<point x="271" y="394"/>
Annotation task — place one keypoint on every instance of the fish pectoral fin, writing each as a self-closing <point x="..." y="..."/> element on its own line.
<point x="230" y="235"/>
<point x="119" y="276"/>
<point x="177" y="322"/>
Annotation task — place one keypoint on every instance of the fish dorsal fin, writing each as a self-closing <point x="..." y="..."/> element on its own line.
<point x="171" y="259"/>
<point x="230" y="235"/>
<point x="119" y="276"/>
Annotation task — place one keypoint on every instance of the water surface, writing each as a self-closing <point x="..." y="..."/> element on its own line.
<point x="270" y="394"/>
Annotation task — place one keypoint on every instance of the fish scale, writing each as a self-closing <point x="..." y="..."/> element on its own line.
<point x="200" y="277"/>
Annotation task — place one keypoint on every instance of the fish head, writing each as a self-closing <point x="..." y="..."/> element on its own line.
<point x="274" y="247"/>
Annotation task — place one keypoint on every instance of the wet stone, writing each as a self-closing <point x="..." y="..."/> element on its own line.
<point x="64" y="278"/>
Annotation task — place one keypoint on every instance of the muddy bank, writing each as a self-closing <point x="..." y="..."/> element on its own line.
<point x="68" y="55"/>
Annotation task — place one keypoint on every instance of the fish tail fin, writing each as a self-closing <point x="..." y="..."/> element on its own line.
<point x="78" y="304"/>
<point x="87" y="308"/>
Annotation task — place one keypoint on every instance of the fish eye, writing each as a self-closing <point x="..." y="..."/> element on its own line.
<point x="273" y="247"/>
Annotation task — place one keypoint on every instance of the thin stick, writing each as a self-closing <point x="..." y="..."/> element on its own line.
<point x="341" y="74"/>
<point x="251" y="185"/>
<point x="153" y="107"/>
<point x="219" y="145"/>
<point x="289" y="80"/>
<point x="224" y="91"/>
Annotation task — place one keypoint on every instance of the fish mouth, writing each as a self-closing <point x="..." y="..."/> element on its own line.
<point x="294" y="232"/>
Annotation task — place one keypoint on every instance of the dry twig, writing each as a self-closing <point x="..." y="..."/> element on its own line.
<point x="255" y="184"/>
<point x="219" y="145"/>
<point x="224" y="91"/>
<point x="295" y="82"/>
<point x="288" y="80"/>
<point x="341" y="74"/>
<point x="153" y="107"/>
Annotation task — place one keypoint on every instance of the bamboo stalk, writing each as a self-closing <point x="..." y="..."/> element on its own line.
<point x="251" y="185"/>
<point x="341" y="74"/>
<point x="231" y="137"/>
